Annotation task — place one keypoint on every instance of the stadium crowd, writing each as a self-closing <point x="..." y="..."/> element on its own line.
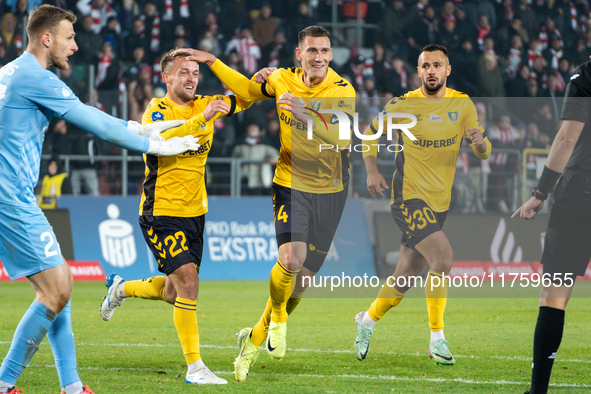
<point x="498" y="49"/>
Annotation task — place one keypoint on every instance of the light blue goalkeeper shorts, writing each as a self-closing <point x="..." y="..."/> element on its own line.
<point x="27" y="242"/>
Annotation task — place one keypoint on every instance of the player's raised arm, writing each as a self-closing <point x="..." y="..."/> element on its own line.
<point x="241" y="86"/>
<point x="114" y="131"/>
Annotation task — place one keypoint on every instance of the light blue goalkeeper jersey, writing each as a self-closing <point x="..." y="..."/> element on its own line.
<point x="29" y="97"/>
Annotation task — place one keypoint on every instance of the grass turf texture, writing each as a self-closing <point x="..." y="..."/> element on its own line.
<point x="138" y="350"/>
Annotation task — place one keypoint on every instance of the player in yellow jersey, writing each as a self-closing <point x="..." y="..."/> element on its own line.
<point x="173" y="206"/>
<point x="309" y="187"/>
<point x="421" y="192"/>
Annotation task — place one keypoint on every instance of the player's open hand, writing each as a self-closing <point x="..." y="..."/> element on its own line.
<point x="477" y="139"/>
<point x="289" y="102"/>
<point x="153" y="130"/>
<point x="216" y="106"/>
<point x="529" y="209"/>
<point x="196" y="55"/>
<point x="376" y="183"/>
<point x="263" y="75"/>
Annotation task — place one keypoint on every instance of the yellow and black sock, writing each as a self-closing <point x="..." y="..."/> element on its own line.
<point x="388" y="297"/>
<point x="185" y="321"/>
<point x="281" y="285"/>
<point x="148" y="289"/>
<point x="436" y="296"/>
<point x="294" y="300"/>
<point x="259" y="332"/>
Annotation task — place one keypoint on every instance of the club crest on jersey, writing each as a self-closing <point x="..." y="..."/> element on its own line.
<point x="453" y="116"/>
<point x="203" y="126"/>
<point x="156" y="116"/>
<point x="435" y="118"/>
<point x="316" y="105"/>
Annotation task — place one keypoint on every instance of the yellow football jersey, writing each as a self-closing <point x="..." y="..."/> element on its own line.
<point x="175" y="186"/>
<point x="302" y="165"/>
<point x="425" y="168"/>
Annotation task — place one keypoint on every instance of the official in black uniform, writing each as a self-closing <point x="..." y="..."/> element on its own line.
<point x="567" y="246"/>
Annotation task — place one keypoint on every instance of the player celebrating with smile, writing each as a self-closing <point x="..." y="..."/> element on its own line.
<point x="173" y="207"/>
<point x="421" y="192"/>
<point x="309" y="187"/>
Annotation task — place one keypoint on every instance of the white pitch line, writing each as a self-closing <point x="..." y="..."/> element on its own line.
<point x="344" y="376"/>
<point x="518" y="358"/>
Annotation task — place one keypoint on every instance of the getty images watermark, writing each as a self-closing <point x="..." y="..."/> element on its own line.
<point x="345" y="131"/>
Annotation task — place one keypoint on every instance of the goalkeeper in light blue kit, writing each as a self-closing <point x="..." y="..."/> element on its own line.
<point x="30" y="95"/>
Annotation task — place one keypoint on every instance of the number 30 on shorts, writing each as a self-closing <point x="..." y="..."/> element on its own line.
<point x="281" y="214"/>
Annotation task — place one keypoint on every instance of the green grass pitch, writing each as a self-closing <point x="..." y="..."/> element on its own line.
<point x="138" y="350"/>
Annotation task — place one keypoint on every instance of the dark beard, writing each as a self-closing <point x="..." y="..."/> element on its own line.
<point x="433" y="89"/>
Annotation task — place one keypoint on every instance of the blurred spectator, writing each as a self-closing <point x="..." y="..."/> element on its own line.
<point x="448" y="36"/>
<point x="529" y="20"/>
<point x="280" y="53"/>
<point x="368" y="94"/>
<point x="175" y="13"/>
<point x="301" y="20"/>
<point x="555" y="97"/>
<point x="51" y="185"/>
<point x="89" y="43"/>
<point x="421" y="33"/>
<point x="248" y="50"/>
<point x="112" y="34"/>
<point x="139" y="93"/>
<point x="548" y="32"/>
<point x="504" y="136"/>
<point x="533" y="52"/>
<point x="391" y="29"/>
<point x="151" y="19"/>
<point x="23" y="7"/>
<point x="135" y="39"/>
<point x="98" y="10"/>
<point x="477" y="8"/>
<point x="257" y="177"/>
<point x="234" y="12"/>
<point x="397" y="77"/>
<point x="490" y="76"/>
<point x="516" y="56"/>
<point x="132" y="68"/>
<point x="479" y="169"/>
<point x="564" y="71"/>
<point x="513" y="28"/>
<point x="464" y="75"/>
<point x="582" y="52"/>
<point x="554" y="53"/>
<point x="273" y="137"/>
<point x="484" y="30"/>
<point x="10" y="38"/>
<point x="108" y="69"/>
<point x="356" y="67"/>
<point x="377" y="67"/>
<point x="264" y="27"/>
<point x="465" y="29"/>
<point x="544" y="118"/>
<point x="516" y="87"/>
<point x="540" y="73"/>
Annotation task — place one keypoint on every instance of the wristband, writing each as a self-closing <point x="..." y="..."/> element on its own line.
<point x="547" y="180"/>
<point x="539" y="195"/>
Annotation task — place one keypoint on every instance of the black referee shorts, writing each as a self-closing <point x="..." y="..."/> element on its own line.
<point x="567" y="245"/>
<point x="308" y="217"/>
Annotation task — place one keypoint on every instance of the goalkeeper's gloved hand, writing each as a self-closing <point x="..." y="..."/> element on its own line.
<point x="153" y="130"/>
<point x="174" y="146"/>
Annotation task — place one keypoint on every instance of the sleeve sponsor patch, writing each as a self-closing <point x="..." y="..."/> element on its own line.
<point x="156" y="116"/>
